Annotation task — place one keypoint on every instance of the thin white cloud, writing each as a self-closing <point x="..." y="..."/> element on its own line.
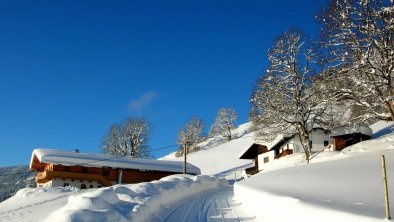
<point x="142" y="102"/>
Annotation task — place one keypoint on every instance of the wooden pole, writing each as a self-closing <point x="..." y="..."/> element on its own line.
<point x="184" y="162"/>
<point x="386" y="192"/>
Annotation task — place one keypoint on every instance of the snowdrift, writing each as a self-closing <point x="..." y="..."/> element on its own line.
<point x="146" y="200"/>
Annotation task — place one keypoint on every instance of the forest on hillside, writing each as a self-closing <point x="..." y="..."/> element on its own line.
<point x="13" y="179"/>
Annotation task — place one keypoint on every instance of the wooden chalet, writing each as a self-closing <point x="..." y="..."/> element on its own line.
<point x="252" y="153"/>
<point x="86" y="170"/>
<point x="347" y="135"/>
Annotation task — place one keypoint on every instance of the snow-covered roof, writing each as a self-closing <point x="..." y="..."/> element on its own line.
<point x="104" y="160"/>
<point x="280" y="138"/>
<point x="349" y="129"/>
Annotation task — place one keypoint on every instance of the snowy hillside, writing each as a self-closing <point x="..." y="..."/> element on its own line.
<point x="342" y="186"/>
<point x="220" y="158"/>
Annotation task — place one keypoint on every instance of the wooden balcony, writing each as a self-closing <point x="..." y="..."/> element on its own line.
<point x="45" y="176"/>
<point x="284" y="153"/>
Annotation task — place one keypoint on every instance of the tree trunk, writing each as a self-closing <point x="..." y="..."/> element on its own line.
<point x="390" y="105"/>
<point x="304" y="139"/>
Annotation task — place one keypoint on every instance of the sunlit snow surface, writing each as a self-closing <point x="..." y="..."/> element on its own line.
<point x="133" y="202"/>
<point x="219" y="157"/>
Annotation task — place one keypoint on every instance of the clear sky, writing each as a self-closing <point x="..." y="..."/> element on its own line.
<point x="70" y="69"/>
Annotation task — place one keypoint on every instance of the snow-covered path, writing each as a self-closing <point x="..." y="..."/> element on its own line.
<point x="214" y="205"/>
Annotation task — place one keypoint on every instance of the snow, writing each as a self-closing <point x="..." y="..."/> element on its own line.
<point x="133" y="202"/>
<point x="103" y="160"/>
<point x="215" y="205"/>
<point x="342" y="186"/>
<point x="347" y="129"/>
<point x="381" y="128"/>
<point x="34" y="204"/>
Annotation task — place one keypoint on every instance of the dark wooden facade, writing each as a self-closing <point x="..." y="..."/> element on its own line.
<point x="342" y="141"/>
<point x="104" y="176"/>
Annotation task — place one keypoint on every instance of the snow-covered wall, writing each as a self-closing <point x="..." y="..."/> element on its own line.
<point x="270" y="155"/>
<point x="318" y="137"/>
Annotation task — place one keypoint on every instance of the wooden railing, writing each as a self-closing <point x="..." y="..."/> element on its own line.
<point x="284" y="153"/>
<point x="45" y="176"/>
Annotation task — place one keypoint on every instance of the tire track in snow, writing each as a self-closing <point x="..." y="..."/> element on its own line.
<point x="210" y="206"/>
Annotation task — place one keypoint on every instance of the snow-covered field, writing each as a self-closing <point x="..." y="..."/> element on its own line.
<point x="335" y="186"/>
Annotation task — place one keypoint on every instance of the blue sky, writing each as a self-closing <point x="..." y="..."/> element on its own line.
<point x="70" y="69"/>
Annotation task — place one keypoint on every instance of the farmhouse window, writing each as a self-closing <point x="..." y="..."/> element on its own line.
<point x="266" y="159"/>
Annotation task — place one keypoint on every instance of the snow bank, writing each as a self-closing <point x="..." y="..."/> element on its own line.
<point x="146" y="200"/>
<point x="35" y="204"/>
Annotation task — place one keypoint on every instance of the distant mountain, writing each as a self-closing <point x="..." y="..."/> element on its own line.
<point x="13" y="179"/>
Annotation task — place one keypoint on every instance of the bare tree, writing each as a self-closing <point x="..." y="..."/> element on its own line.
<point x="128" y="139"/>
<point x="224" y="123"/>
<point x="190" y="135"/>
<point x="359" y="38"/>
<point x="283" y="101"/>
<point x="113" y="142"/>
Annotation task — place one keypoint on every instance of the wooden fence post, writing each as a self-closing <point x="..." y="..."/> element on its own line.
<point x="386" y="192"/>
